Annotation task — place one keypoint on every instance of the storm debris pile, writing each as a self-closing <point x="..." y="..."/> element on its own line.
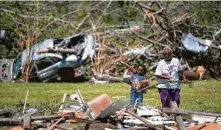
<point x="102" y="113"/>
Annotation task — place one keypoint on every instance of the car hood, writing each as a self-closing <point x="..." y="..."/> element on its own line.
<point x="49" y="43"/>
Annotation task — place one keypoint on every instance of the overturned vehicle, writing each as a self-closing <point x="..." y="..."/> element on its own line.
<point x="51" y="59"/>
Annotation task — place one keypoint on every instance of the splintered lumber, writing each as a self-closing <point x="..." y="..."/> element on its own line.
<point x="203" y="113"/>
<point x="96" y="126"/>
<point x="186" y="112"/>
<point x="56" y="123"/>
<point x="147" y="124"/>
<point x="174" y="111"/>
<point x="27" y="122"/>
<point x="10" y="121"/>
<point x="178" y="118"/>
<point x="45" y="117"/>
<point x="19" y="120"/>
<point x="5" y="113"/>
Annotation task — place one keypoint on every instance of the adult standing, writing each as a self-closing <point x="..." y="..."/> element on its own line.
<point x="169" y="69"/>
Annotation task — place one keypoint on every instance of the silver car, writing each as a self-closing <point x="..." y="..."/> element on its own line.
<point x="51" y="59"/>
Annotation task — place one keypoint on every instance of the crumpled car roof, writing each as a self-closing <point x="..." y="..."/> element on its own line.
<point x="194" y="44"/>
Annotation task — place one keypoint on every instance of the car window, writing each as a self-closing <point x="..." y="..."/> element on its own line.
<point x="16" y="66"/>
<point x="55" y="59"/>
<point x="57" y="41"/>
<point x="43" y="63"/>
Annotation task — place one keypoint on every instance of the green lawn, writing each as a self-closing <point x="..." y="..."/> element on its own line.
<point x="204" y="96"/>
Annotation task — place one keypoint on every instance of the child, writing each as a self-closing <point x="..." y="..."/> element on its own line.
<point x="137" y="82"/>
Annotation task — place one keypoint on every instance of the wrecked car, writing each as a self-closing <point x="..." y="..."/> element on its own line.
<point x="51" y="59"/>
<point x="197" y="45"/>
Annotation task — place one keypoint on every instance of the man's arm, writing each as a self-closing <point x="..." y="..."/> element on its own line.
<point x="159" y="74"/>
<point x="164" y="77"/>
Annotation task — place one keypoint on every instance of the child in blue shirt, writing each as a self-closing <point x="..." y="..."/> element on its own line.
<point x="138" y="81"/>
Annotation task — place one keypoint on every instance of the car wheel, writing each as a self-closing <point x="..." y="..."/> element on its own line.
<point x="66" y="74"/>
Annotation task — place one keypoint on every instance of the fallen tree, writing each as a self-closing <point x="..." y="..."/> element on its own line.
<point x="167" y="23"/>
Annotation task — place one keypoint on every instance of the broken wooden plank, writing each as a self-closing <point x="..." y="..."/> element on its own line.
<point x="12" y="121"/>
<point x="174" y="111"/>
<point x="96" y="126"/>
<point x="148" y="124"/>
<point x="5" y="113"/>
<point x="18" y="120"/>
<point x="178" y="118"/>
<point x="45" y="117"/>
<point x="203" y="113"/>
<point x="27" y="122"/>
<point x="55" y="124"/>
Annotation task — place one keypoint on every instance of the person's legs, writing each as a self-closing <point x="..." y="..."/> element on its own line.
<point x="175" y="96"/>
<point x="140" y="97"/>
<point x="165" y="97"/>
<point x="132" y="98"/>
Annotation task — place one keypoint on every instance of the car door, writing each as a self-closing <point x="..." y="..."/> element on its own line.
<point x="46" y="69"/>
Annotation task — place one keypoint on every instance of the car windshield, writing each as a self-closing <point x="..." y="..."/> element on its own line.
<point x="16" y="66"/>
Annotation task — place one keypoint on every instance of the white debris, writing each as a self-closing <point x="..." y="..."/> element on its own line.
<point x="202" y="119"/>
<point x="32" y="111"/>
<point x="144" y="111"/>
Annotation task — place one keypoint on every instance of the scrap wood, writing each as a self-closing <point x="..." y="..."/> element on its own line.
<point x="56" y="123"/>
<point x="20" y="120"/>
<point x="51" y="117"/>
<point x="148" y="124"/>
<point x="178" y="118"/>
<point x="174" y="111"/>
<point x="129" y="109"/>
<point x="79" y="121"/>
<point x="203" y="113"/>
<point x="27" y="121"/>
<point x="5" y="113"/>
<point x="186" y="112"/>
<point x="96" y="126"/>
<point x="186" y="119"/>
<point x="10" y="121"/>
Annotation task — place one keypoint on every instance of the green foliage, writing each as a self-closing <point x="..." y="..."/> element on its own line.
<point x="81" y="14"/>
<point x="40" y="16"/>
<point x="208" y="12"/>
<point x="128" y="14"/>
<point x="119" y="13"/>
<point x="107" y="20"/>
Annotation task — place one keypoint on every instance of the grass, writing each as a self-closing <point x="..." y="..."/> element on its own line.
<point x="204" y="96"/>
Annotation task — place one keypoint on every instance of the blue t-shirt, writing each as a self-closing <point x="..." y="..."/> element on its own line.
<point x="136" y="80"/>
